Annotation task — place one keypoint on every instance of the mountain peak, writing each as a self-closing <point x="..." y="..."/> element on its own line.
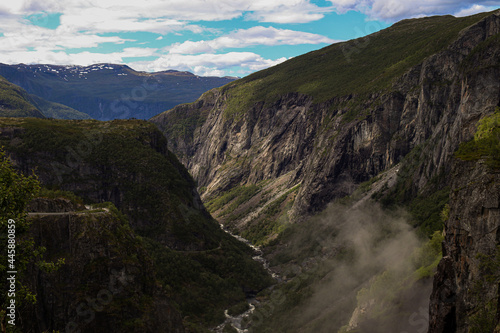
<point x="174" y="72"/>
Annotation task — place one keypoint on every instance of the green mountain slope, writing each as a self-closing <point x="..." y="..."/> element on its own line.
<point x="355" y="67"/>
<point x="56" y="110"/>
<point x="16" y="102"/>
<point x="375" y="119"/>
<point x="203" y="269"/>
<point x="13" y="102"/>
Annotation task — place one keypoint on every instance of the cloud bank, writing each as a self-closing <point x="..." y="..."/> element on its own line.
<point x="394" y="10"/>
<point x="83" y="32"/>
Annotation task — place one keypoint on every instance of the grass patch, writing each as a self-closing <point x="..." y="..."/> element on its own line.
<point x="54" y="194"/>
<point x="272" y="220"/>
<point x="356" y="67"/>
<point x="485" y="144"/>
<point x="426" y="211"/>
<point x="240" y="193"/>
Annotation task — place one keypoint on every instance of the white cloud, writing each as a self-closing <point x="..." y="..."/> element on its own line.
<point x="138" y="52"/>
<point x="277" y="11"/>
<point x="297" y="11"/>
<point x="248" y="37"/>
<point x="103" y="20"/>
<point x="158" y="14"/>
<point x="49" y="56"/>
<point x="28" y="36"/>
<point x="189" y="47"/>
<point x="208" y="64"/>
<point x="200" y="57"/>
<point x="59" y="58"/>
<point x="83" y="23"/>
<point x="474" y="9"/>
<point x="394" y="10"/>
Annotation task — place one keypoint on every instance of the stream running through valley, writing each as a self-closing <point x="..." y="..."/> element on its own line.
<point x="237" y="322"/>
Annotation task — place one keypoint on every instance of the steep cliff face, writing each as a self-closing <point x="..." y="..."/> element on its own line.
<point x="94" y="160"/>
<point x="106" y="284"/>
<point x="281" y="144"/>
<point x="329" y="141"/>
<point x="126" y="162"/>
<point x="465" y="295"/>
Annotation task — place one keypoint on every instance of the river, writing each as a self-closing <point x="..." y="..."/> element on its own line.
<point x="237" y="321"/>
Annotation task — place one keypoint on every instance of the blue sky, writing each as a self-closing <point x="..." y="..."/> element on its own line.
<point x="206" y="37"/>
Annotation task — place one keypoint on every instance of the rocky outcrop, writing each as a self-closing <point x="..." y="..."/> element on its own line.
<point x="96" y="161"/>
<point x="465" y="294"/>
<point x="106" y="284"/>
<point x="203" y="269"/>
<point x="57" y="205"/>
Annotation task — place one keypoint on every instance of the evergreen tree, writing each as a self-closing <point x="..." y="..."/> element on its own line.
<point x="16" y="191"/>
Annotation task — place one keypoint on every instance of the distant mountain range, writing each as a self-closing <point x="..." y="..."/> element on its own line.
<point x="108" y="91"/>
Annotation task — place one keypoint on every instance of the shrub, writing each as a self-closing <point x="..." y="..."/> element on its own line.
<point x="486" y="142"/>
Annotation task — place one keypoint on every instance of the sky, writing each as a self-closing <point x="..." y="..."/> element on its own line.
<point x="205" y="37"/>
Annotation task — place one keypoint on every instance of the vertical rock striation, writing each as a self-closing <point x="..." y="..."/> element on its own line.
<point x="463" y="296"/>
<point x="330" y="147"/>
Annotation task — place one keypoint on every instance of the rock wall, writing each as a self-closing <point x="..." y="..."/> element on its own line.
<point x="326" y="148"/>
<point x="106" y="284"/>
<point x="331" y="147"/>
<point x="465" y="293"/>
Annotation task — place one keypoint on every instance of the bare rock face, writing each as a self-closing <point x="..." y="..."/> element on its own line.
<point x="323" y="147"/>
<point x="463" y="295"/>
<point x="428" y="111"/>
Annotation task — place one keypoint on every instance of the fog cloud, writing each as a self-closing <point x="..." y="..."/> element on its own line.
<point x="364" y="252"/>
